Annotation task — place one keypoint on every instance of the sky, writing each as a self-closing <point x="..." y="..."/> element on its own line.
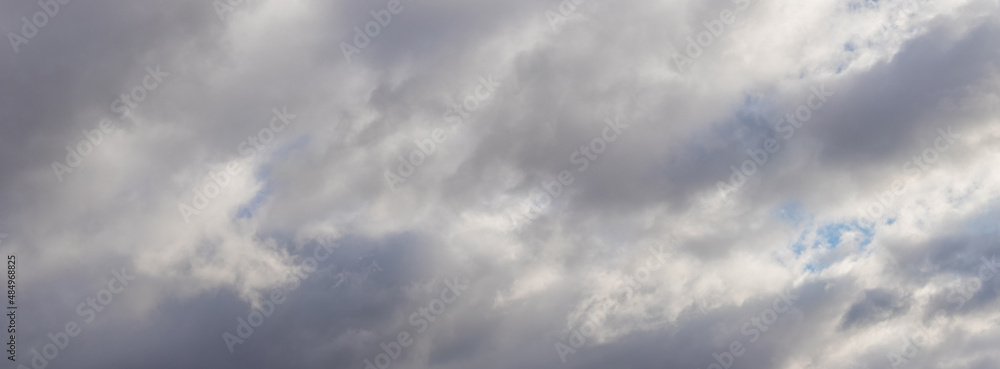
<point x="501" y="184"/>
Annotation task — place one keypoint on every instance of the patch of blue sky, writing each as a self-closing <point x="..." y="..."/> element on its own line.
<point x="987" y="223"/>
<point x="825" y="236"/>
<point x="283" y="151"/>
<point x="800" y="244"/>
<point x="248" y="210"/>
<point x="746" y="121"/>
<point x="829" y="235"/>
<point x="813" y="268"/>
<point x="791" y="212"/>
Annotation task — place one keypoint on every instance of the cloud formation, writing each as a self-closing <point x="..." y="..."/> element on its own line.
<point x="453" y="184"/>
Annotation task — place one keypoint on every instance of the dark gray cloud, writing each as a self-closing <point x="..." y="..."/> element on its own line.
<point x="876" y="306"/>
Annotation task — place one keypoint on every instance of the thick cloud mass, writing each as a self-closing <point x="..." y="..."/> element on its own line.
<point x="502" y="184"/>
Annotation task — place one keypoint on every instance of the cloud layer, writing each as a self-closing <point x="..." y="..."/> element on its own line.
<point x="449" y="184"/>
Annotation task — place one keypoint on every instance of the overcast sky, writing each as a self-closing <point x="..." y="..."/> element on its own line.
<point x="686" y="184"/>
